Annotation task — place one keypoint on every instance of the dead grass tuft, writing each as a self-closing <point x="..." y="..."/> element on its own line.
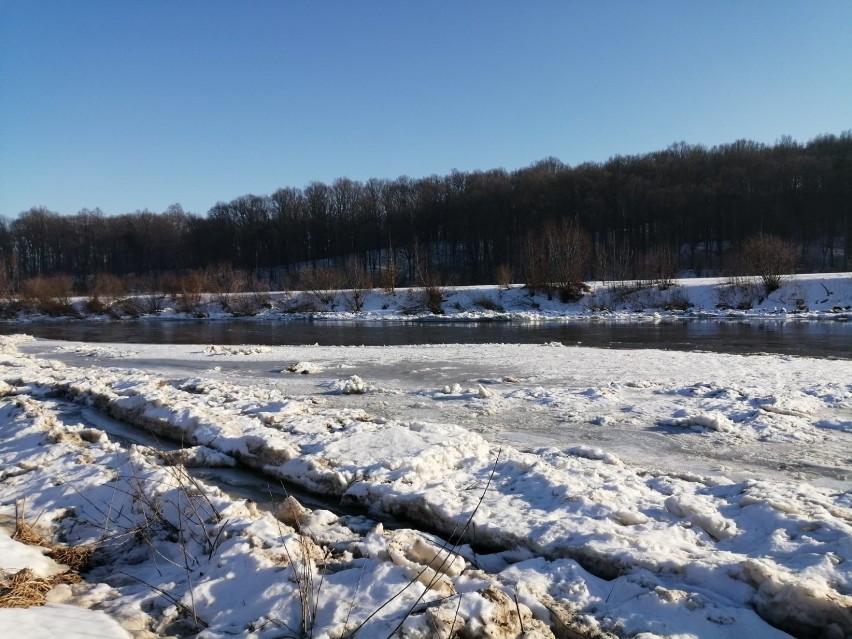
<point x="24" y="589"/>
<point x="67" y="577"/>
<point x="75" y="557"/>
<point x="24" y="532"/>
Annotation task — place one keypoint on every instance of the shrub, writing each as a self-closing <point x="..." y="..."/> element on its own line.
<point x="433" y="298"/>
<point x="323" y="284"/>
<point x="152" y="302"/>
<point x="769" y="257"/>
<point x="659" y="266"/>
<point x="429" y="296"/>
<point x="622" y="291"/>
<point x="237" y="292"/>
<point x="51" y="295"/>
<point x="97" y="306"/>
<point x="224" y="283"/>
<point x="298" y="303"/>
<point x="738" y="293"/>
<point x="130" y="306"/>
<point x="677" y="300"/>
<point x="572" y="292"/>
<point x="186" y="292"/>
<point x="488" y="304"/>
<point x="149" y="297"/>
<point x="250" y="303"/>
<point x="503" y="275"/>
<point x="10" y="306"/>
<point x="104" y="291"/>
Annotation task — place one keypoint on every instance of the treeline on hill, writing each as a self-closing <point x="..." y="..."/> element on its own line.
<point x="687" y="207"/>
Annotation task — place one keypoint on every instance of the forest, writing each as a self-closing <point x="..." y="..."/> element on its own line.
<point x="685" y="208"/>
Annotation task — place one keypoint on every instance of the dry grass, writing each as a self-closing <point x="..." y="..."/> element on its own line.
<point x="25" y="588"/>
<point x="75" y="557"/>
<point x="26" y="534"/>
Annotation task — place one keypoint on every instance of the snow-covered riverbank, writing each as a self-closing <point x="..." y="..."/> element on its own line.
<point x="604" y="491"/>
<point x="814" y="296"/>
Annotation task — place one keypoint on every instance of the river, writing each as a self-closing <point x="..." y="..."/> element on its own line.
<point x="825" y="338"/>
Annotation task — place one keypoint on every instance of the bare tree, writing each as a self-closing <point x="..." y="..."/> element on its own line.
<point x="187" y="291"/>
<point x="659" y="266"/>
<point x="614" y="263"/>
<point x="357" y="282"/>
<point x="770" y="258"/>
<point x="224" y="283"/>
<point x="556" y="258"/>
<point x="503" y="275"/>
<point x="323" y="284"/>
<point x="389" y="276"/>
<point x="104" y="291"/>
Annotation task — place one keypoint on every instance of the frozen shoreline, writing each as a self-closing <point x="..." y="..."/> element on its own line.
<point x="612" y="542"/>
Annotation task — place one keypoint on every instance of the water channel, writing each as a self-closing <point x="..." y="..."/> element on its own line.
<point x="815" y="338"/>
<point x="238" y="482"/>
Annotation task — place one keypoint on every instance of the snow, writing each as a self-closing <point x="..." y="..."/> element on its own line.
<point x="15" y="556"/>
<point x="805" y="296"/>
<point x="825" y="296"/>
<point x="57" y="620"/>
<point x="527" y="490"/>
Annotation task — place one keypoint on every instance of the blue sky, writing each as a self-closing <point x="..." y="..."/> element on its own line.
<point x="129" y="105"/>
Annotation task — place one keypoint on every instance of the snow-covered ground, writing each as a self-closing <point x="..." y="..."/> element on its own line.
<point x="548" y="490"/>
<point x="803" y="296"/>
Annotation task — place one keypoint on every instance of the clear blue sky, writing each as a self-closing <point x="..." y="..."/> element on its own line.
<point x="131" y="104"/>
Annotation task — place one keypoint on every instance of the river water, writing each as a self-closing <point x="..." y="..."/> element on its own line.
<point x="825" y="338"/>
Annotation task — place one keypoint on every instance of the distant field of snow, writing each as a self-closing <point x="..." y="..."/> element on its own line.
<point x="550" y="490"/>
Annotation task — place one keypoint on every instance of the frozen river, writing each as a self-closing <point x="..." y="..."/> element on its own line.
<point x="560" y="397"/>
<point x="671" y="489"/>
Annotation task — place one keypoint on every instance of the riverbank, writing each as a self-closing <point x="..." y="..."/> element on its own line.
<point x="823" y="296"/>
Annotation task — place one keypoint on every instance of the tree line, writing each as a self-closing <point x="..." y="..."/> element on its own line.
<point x="685" y="207"/>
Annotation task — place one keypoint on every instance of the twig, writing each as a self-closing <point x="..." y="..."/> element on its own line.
<point x="319" y="590"/>
<point x="456" y="545"/>
<point x="518" y="608"/>
<point x="355" y="594"/>
<point x="175" y="601"/>
<point x="186" y="568"/>
<point x="441" y="565"/>
<point x="456" y="616"/>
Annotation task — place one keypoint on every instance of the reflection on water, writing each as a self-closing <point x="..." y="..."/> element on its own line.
<point x="813" y="338"/>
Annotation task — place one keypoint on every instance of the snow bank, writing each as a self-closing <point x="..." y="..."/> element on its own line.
<point x="801" y="296"/>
